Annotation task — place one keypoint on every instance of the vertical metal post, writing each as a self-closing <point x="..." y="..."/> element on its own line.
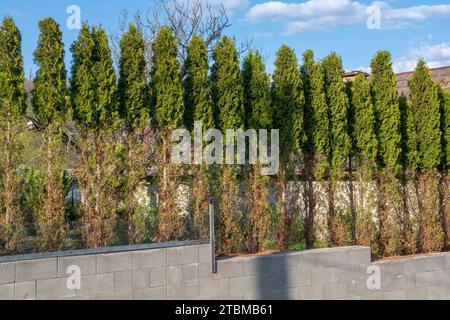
<point x="212" y="237"/>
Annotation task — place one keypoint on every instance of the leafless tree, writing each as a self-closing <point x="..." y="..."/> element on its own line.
<point x="186" y="18"/>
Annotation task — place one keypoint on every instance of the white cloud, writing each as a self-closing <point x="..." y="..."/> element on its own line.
<point x="437" y="55"/>
<point x="322" y="14"/>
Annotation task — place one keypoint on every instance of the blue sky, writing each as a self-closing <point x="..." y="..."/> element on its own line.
<point x="409" y="29"/>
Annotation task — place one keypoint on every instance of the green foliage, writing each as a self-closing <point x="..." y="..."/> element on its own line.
<point x="93" y="83"/>
<point x="132" y="88"/>
<point x="317" y="120"/>
<point x="197" y="89"/>
<point x="288" y="102"/>
<point x="425" y="107"/>
<point x="444" y="97"/>
<point x="363" y="128"/>
<point x="49" y="97"/>
<point x="387" y="111"/>
<point x="256" y="84"/>
<point x="166" y="88"/>
<point x="227" y="92"/>
<point x="339" y="106"/>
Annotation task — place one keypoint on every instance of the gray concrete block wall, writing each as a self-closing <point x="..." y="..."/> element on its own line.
<point x="184" y="272"/>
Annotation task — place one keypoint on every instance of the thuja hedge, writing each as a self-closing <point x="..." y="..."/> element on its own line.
<point x="108" y="130"/>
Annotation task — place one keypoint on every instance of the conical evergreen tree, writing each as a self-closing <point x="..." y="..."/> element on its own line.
<point x="256" y="84"/>
<point x="166" y="88"/>
<point x="388" y="116"/>
<point x="50" y="99"/>
<point x="365" y="148"/>
<point x="317" y="120"/>
<point x="12" y="107"/>
<point x="93" y="83"/>
<point x="197" y="88"/>
<point x="425" y="113"/>
<point x="132" y="86"/>
<point x="444" y="97"/>
<point x="227" y="92"/>
<point x="387" y="110"/>
<point x="337" y="100"/>
<point x="425" y="107"/>
<point x="363" y="133"/>
<point x="287" y="102"/>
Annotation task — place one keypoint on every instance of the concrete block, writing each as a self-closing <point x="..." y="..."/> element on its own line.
<point x="248" y="285"/>
<point x="114" y="262"/>
<point x="7" y="291"/>
<point x="149" y="258"/>
<point x="359" y="288"/>
<point x="322" y="275"/>
<point x="87" y="264"/>
<point x="314" y="292"/>
<point x="141" y="278"/>
<point x="257" y="265"/>
<point x="335" y="258"/>
<point x="52" y="289"/>
<point x="156" y="293"/>
<point x="213" y="288"/>
<point x="185" y="291"/>
<point x="283" y="262"/>
<point x="303" y="277"/>
<point x="417" y="294"/>
<point x="123" y="295"/>
<point x="6" y="272"/>
<point x="438" y="293"/>
<point x="25" y="290"/>
<point x="189" y="272"/>
<point x="348" y="273"/>
<point x="36" y="269"/>
<point x="396" y="295"/>
<point x="436" y="263"/>
<point x="182" y="255"/>
<point x="415" y="265"/>
<point x="174" y="275"/>
<point x="359" y="255"/>
<point x="333" y="291"/>
<point x="95" y="284"/>
<point x="392" y="268"/>
<point x="398" y="282"/>
<point x="433" y="278"/>
<point x="205" y="271"/>
<point x="259" y="295"/>
<point x="373" y="296"/>
<point x="311" y="260"/>
<point x="230" y="268"/>
<point x="123" y="281"/>
<point x="285" y="294"/>
<point x="158" y="276"/>
<point x="204" y="253"/>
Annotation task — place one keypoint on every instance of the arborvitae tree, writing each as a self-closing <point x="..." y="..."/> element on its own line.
<point x="288" y="101"/>
<point x="425" y="107"/>
<point x="317" y="118"/>
<point x="387" y="115"/>
<point x="133" y="105"/>
<point x="50" y="97"/>
<point x="227" y="95"/>
<point x="387" y="110"/>
<point x="425" y="110"/>
<point x="198" y="107"/>
<point x="12" y="107"/>
<point x="338" y="103"/>
<point x="444" y="97"/>
<point x="197" y="89"/>
<point x="365" y="148"/>
<point x="317" y="127"/>
<point x="256" y="84"/>
<point x="227" y="92"/>
<point x="132" y="86"/>
<point x="166" y="88"/>
<point x="168" y="108"/>
<point x="93" y="93"/>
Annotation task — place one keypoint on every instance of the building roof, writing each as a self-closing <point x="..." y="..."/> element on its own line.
<point x="440" y="76"/>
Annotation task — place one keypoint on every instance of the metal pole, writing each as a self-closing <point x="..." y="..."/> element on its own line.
<point x="212" y="238"/>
